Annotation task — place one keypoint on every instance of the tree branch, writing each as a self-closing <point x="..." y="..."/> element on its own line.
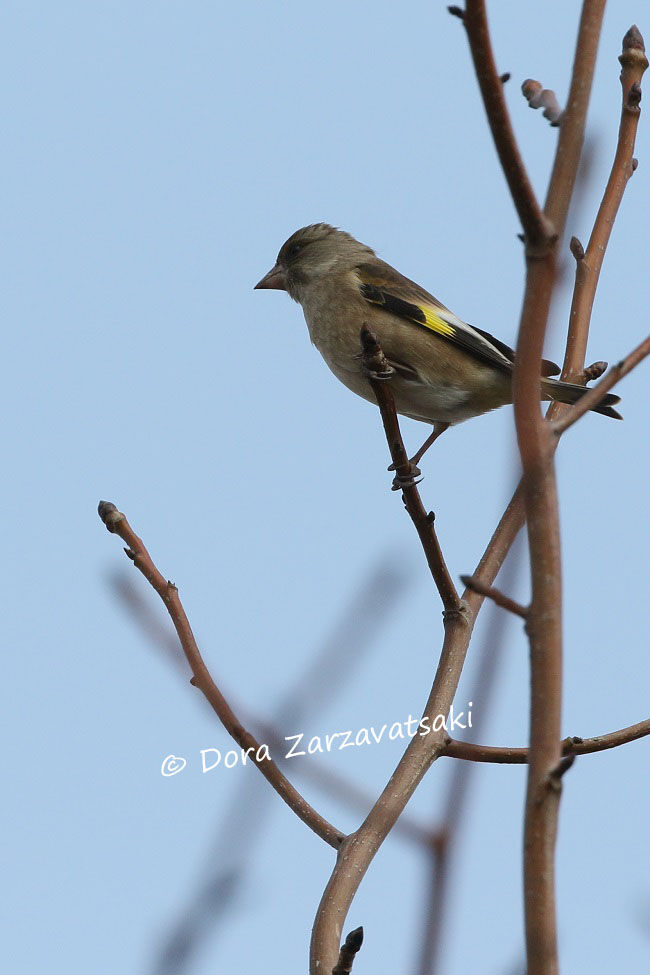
<point x="379" y="373"/>
<point x="116" y="522"/>
<point x="589" y="262"/>
<point x="572" y="125"/>
<point x="541" y="504"/>
<point x="498" y="598"/>
<point x="471" y="752"/>
<point x="538" y="229"/>
<point x="359" y="849"/>
<point x="442" y="852"/>
<point x="595" y="394"/>
<point x="544" y="623"/>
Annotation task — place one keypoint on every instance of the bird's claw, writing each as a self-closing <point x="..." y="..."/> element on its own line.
<point x="381" y="375"/>
<point x="410" y="478"/>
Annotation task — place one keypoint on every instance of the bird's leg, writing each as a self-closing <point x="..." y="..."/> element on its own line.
<point x="438" y="429"/>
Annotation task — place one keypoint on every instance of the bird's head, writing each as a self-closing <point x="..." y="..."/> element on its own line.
<point x="311" y="253"/>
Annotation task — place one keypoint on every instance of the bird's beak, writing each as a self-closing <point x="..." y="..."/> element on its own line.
<point x="276" y="279"/>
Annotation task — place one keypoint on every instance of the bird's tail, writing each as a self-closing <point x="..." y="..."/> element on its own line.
<point x="561" y="392"/>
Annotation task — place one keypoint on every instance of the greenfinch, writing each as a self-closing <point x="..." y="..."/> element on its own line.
<point x="446" y="371"/>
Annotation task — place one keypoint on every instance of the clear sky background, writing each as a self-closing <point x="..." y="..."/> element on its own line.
<point x="156" y="157"/>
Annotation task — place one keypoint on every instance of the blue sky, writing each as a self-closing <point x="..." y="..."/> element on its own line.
<point x="157" y="157"/>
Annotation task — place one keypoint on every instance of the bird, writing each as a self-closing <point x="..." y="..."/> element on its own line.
<point x="445" y="371"/>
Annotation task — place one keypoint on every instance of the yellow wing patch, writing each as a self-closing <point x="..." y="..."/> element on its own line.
<point x="433" y="321"/>
<point x="476" y="343"/>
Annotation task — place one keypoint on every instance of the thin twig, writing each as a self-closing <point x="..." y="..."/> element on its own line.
<point x="589" y="262"/>
<point x="472" y="752"/>
<point x="572" y="126"/>
<point x="538" y="228"/>
<point x="117" y="523"/>
<point x="379" y="373"/>
<point x="595" y="394"/>
<point x="497" y="597"/>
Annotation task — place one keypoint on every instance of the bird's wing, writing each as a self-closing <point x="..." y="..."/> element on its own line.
<point x="381" y="284"/>
<point x="549" y="368"/>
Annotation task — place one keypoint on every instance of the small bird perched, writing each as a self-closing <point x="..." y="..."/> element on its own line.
<point x="446" y="371"/>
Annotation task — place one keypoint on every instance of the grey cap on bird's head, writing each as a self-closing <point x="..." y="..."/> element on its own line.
<point x="338" y="243"/>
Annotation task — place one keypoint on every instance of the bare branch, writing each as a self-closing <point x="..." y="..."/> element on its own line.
<point x="589" y="262"/>
<point x="539" y="231"/>
<point x="348" y="791"/>
<point x="497" y="597"/>
<point x="379" y="371"/>
<point x="440" y="863"/>
<point x="537" y="448"/>
<point x="358" y="850"/>
<point x="595" y="394"/>
<point x="572" y="125"/>
<point x="539" y="97"/>
<point x="471" y="752"/>
<point x="116" y="522"/>
<point x="540" y="496"/>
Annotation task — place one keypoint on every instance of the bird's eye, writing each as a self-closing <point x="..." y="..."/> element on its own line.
<point x="294" y="249"/>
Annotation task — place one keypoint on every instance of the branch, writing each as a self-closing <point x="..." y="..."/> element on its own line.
<point x="359" y="849"/>
<point x="439" y="864"/>
<point x="572" y="125"/>
<point x="379" y="373"/>
<point x="595" y="394"/>
<point x="471" y="752"/>
<point x="538" y="229"/>
<point x="116" y="522"/>
<point x="497" y="597"/>
<point x="540" y="497"/>
<point x="536" y="447"/>
<point x="589" y="262"/>
<point x="350" y="793"/>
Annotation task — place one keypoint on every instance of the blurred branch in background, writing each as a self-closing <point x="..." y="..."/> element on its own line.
<point x="539" y="97"/>
<point x="342" y="652"/>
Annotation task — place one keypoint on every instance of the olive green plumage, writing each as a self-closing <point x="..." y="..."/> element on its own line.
<point x="446" y="371"/>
